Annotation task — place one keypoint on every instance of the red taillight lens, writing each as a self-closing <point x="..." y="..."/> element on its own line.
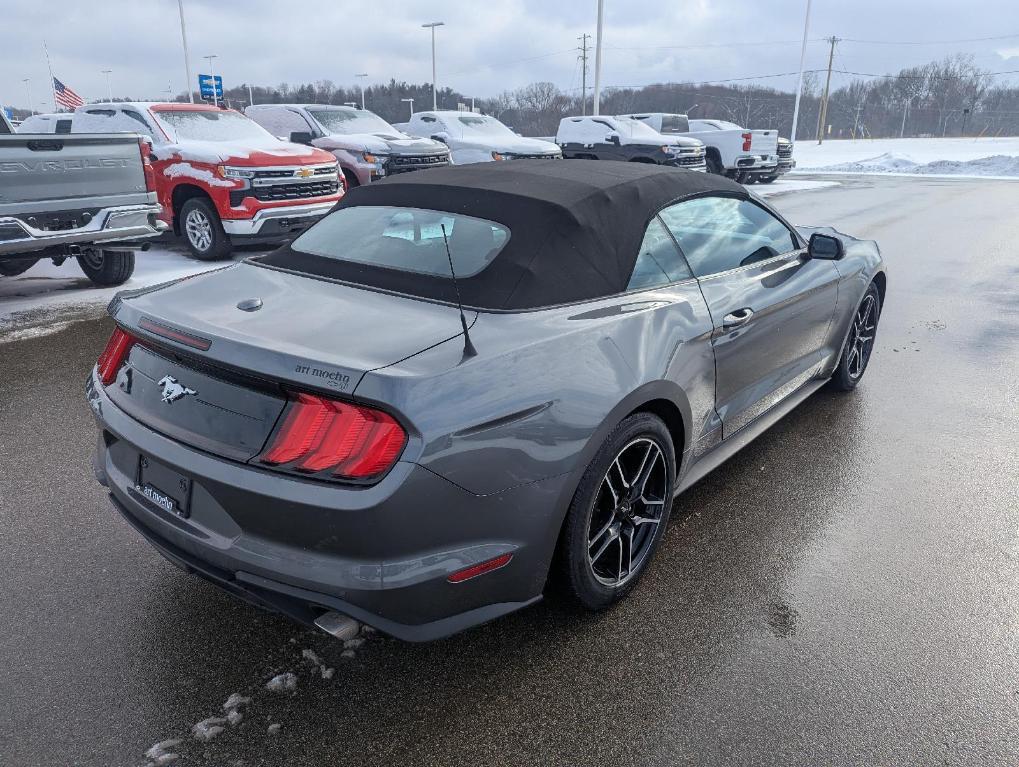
<point x="113" y="355"/>
<point x="747" y="139"/>
<point x="347" y="441"/>
<point x="150" y="172"/>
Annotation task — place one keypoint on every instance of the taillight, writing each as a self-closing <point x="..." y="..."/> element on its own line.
<point x="113" y="355"/>
<point x="333" y="439"/>
<point x="747" y="138"/>
<point x="150" y="173"/>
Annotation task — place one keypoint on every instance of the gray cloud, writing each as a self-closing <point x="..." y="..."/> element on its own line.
<point x="483" y="49"/>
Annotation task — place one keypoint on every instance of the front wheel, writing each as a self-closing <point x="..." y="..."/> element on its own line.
<point x="767" y="179"/>
<point x="203" y="231"/>
<point x="855" y="356"/>
<point x="107" y="268"/>
<point x="714" y="164"/>
<point x="619" y="512"/>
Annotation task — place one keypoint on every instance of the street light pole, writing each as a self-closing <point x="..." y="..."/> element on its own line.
<point x="432" y="26"/>
<point x="799" y="81"/>
<point x="187" y="58"/>
<point x="362" y="74"/>
<point x="251" y="96"/>
<point x="28" y="92"/>
<point x="411" y="102"/>
<point x="109" y="88"/>
<point x="212" y="74"/>
<point x="597" y="59"/>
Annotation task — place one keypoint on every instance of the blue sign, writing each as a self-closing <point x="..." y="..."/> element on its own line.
<point x="210" y="85"/>
<point x="9" y="112"/>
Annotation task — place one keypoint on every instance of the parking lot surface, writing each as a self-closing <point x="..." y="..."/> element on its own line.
<point x="841" y="592"/>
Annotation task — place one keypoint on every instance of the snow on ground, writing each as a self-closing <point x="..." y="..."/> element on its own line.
<point x="786" y="184"/>
<point x="976" y="157"/>
<point x="46" y="297"/>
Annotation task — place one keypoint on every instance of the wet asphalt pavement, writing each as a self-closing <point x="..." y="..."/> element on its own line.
<point x="845" y="591"/>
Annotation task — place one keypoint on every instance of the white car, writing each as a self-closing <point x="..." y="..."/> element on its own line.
<point x="478" y="138"/>
<point x="731" y="150"/>
<point x="43" y="123"/>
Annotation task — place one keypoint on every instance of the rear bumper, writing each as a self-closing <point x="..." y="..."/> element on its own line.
<point x="754" y="162"/>
<point x="278" y="222"/>
<point x="380" y="554"/>
<point x="118" y="224"/>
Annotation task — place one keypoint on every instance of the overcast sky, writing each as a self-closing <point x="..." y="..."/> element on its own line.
<point x="485" y="47"/>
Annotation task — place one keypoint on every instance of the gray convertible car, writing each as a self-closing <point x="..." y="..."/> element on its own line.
<point x="463" y="383"/>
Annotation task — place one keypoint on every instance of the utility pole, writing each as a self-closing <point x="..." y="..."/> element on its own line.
<point x="905" y="111"/>
<point x="823" y="116"/>
<point x="187" y="58"/>
<point x="799" y="81"/>
<point x="583" y="73"/>
<point x="597" y="60"/>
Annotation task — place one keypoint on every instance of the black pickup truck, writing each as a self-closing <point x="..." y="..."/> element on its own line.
<point x="601" y="137"/>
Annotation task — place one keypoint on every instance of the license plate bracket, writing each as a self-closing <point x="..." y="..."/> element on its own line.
<point x="163" y="487"/>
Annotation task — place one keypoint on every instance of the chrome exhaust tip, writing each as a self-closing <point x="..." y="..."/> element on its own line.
<point x="343" y="627"/>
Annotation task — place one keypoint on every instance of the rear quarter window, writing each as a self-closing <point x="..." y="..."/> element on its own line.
<point x="407" y="239"/>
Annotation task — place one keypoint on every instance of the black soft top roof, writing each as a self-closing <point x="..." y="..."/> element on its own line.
<point x="575" y="227"/>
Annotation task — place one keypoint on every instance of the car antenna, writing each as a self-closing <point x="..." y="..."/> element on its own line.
<point x="469" y="350"/>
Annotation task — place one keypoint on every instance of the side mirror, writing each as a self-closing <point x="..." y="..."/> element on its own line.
<point x="612" y="138"/>
<point x="301" y="137"/>
<point x="825" y="247"/>
<point x="439" y="137"/>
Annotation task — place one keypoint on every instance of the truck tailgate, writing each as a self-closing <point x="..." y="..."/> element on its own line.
<point x="45" y="172"/>
<point x="764" y="142"/>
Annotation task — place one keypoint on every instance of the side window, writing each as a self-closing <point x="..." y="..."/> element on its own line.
<point x="722" y="233"/>
<point x="659" y="262"/>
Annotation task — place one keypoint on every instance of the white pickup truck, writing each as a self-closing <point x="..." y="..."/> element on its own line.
<point x="731" y="150"/>
<point x="87" y="197"/>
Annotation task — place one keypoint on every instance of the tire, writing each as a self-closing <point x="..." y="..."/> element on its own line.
<point x="750" y="179"/>
<point x="605" y="512"/>
<point x="203" y="231"/>
<point x="16" y="267"/>
<point x="351" y="179"/>
<point x="767" y="179"/>
<point x="714" y="164"/>
<point x="107" y="268"/>
<point x="860" y="342"/>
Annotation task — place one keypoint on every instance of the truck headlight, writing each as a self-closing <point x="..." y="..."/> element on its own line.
<point x="501" y="156"/>
<point x="228" y="171"/>
<point x="374" y="159"/>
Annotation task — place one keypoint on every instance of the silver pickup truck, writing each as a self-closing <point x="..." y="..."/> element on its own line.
<point x="90" y="197"/>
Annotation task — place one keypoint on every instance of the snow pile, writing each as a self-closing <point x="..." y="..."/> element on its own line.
<point x="968" y="157"/>
<point x="162" y="753"/>
<point x="207" y="729"/>
<point x="281" y="682"/>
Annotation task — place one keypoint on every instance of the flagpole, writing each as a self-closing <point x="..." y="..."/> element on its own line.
<point x="53" y="87"/>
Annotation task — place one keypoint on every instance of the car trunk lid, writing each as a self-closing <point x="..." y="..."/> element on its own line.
<point x="295" y="332"/>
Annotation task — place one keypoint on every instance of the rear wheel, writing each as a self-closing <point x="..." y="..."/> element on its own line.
<point x="767" y="179"/>
<point x="19" y="266"/>
<point x="860" y="344"/>
<point x="107" y="268"/>
<point x="619" y="512"/>
<point x="203" y="231"/>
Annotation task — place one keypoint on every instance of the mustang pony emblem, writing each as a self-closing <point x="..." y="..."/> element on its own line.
<point x="173" y="391"/>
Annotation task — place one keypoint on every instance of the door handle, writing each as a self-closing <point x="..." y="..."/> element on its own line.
<point x="737" y="317"/>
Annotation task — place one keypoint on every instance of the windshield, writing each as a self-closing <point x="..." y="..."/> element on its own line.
<point x="636" y="129"/>
<point x="675" y="124"/>
<point x="408" y="239"/>
<point x="201" y="125"/>
<point x="346" y="121"/>
<point x="487" y="125"/>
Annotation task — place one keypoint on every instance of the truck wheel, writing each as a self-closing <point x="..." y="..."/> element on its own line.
<point x="351" y="178"/>
<point x="767" y="179"/>
<point x="203" y="231"/>
<point x="14" y="268"/>
<point x="107" y="268"/>
<point x="714" y="165"/>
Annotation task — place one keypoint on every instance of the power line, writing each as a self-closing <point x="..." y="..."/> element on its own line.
<point x="930" y="42"/>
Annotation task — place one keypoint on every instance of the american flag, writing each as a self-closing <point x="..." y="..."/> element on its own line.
<point x="65" y="97"/>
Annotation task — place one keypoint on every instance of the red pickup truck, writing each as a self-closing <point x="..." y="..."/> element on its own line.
<point x="221" y="178"/>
